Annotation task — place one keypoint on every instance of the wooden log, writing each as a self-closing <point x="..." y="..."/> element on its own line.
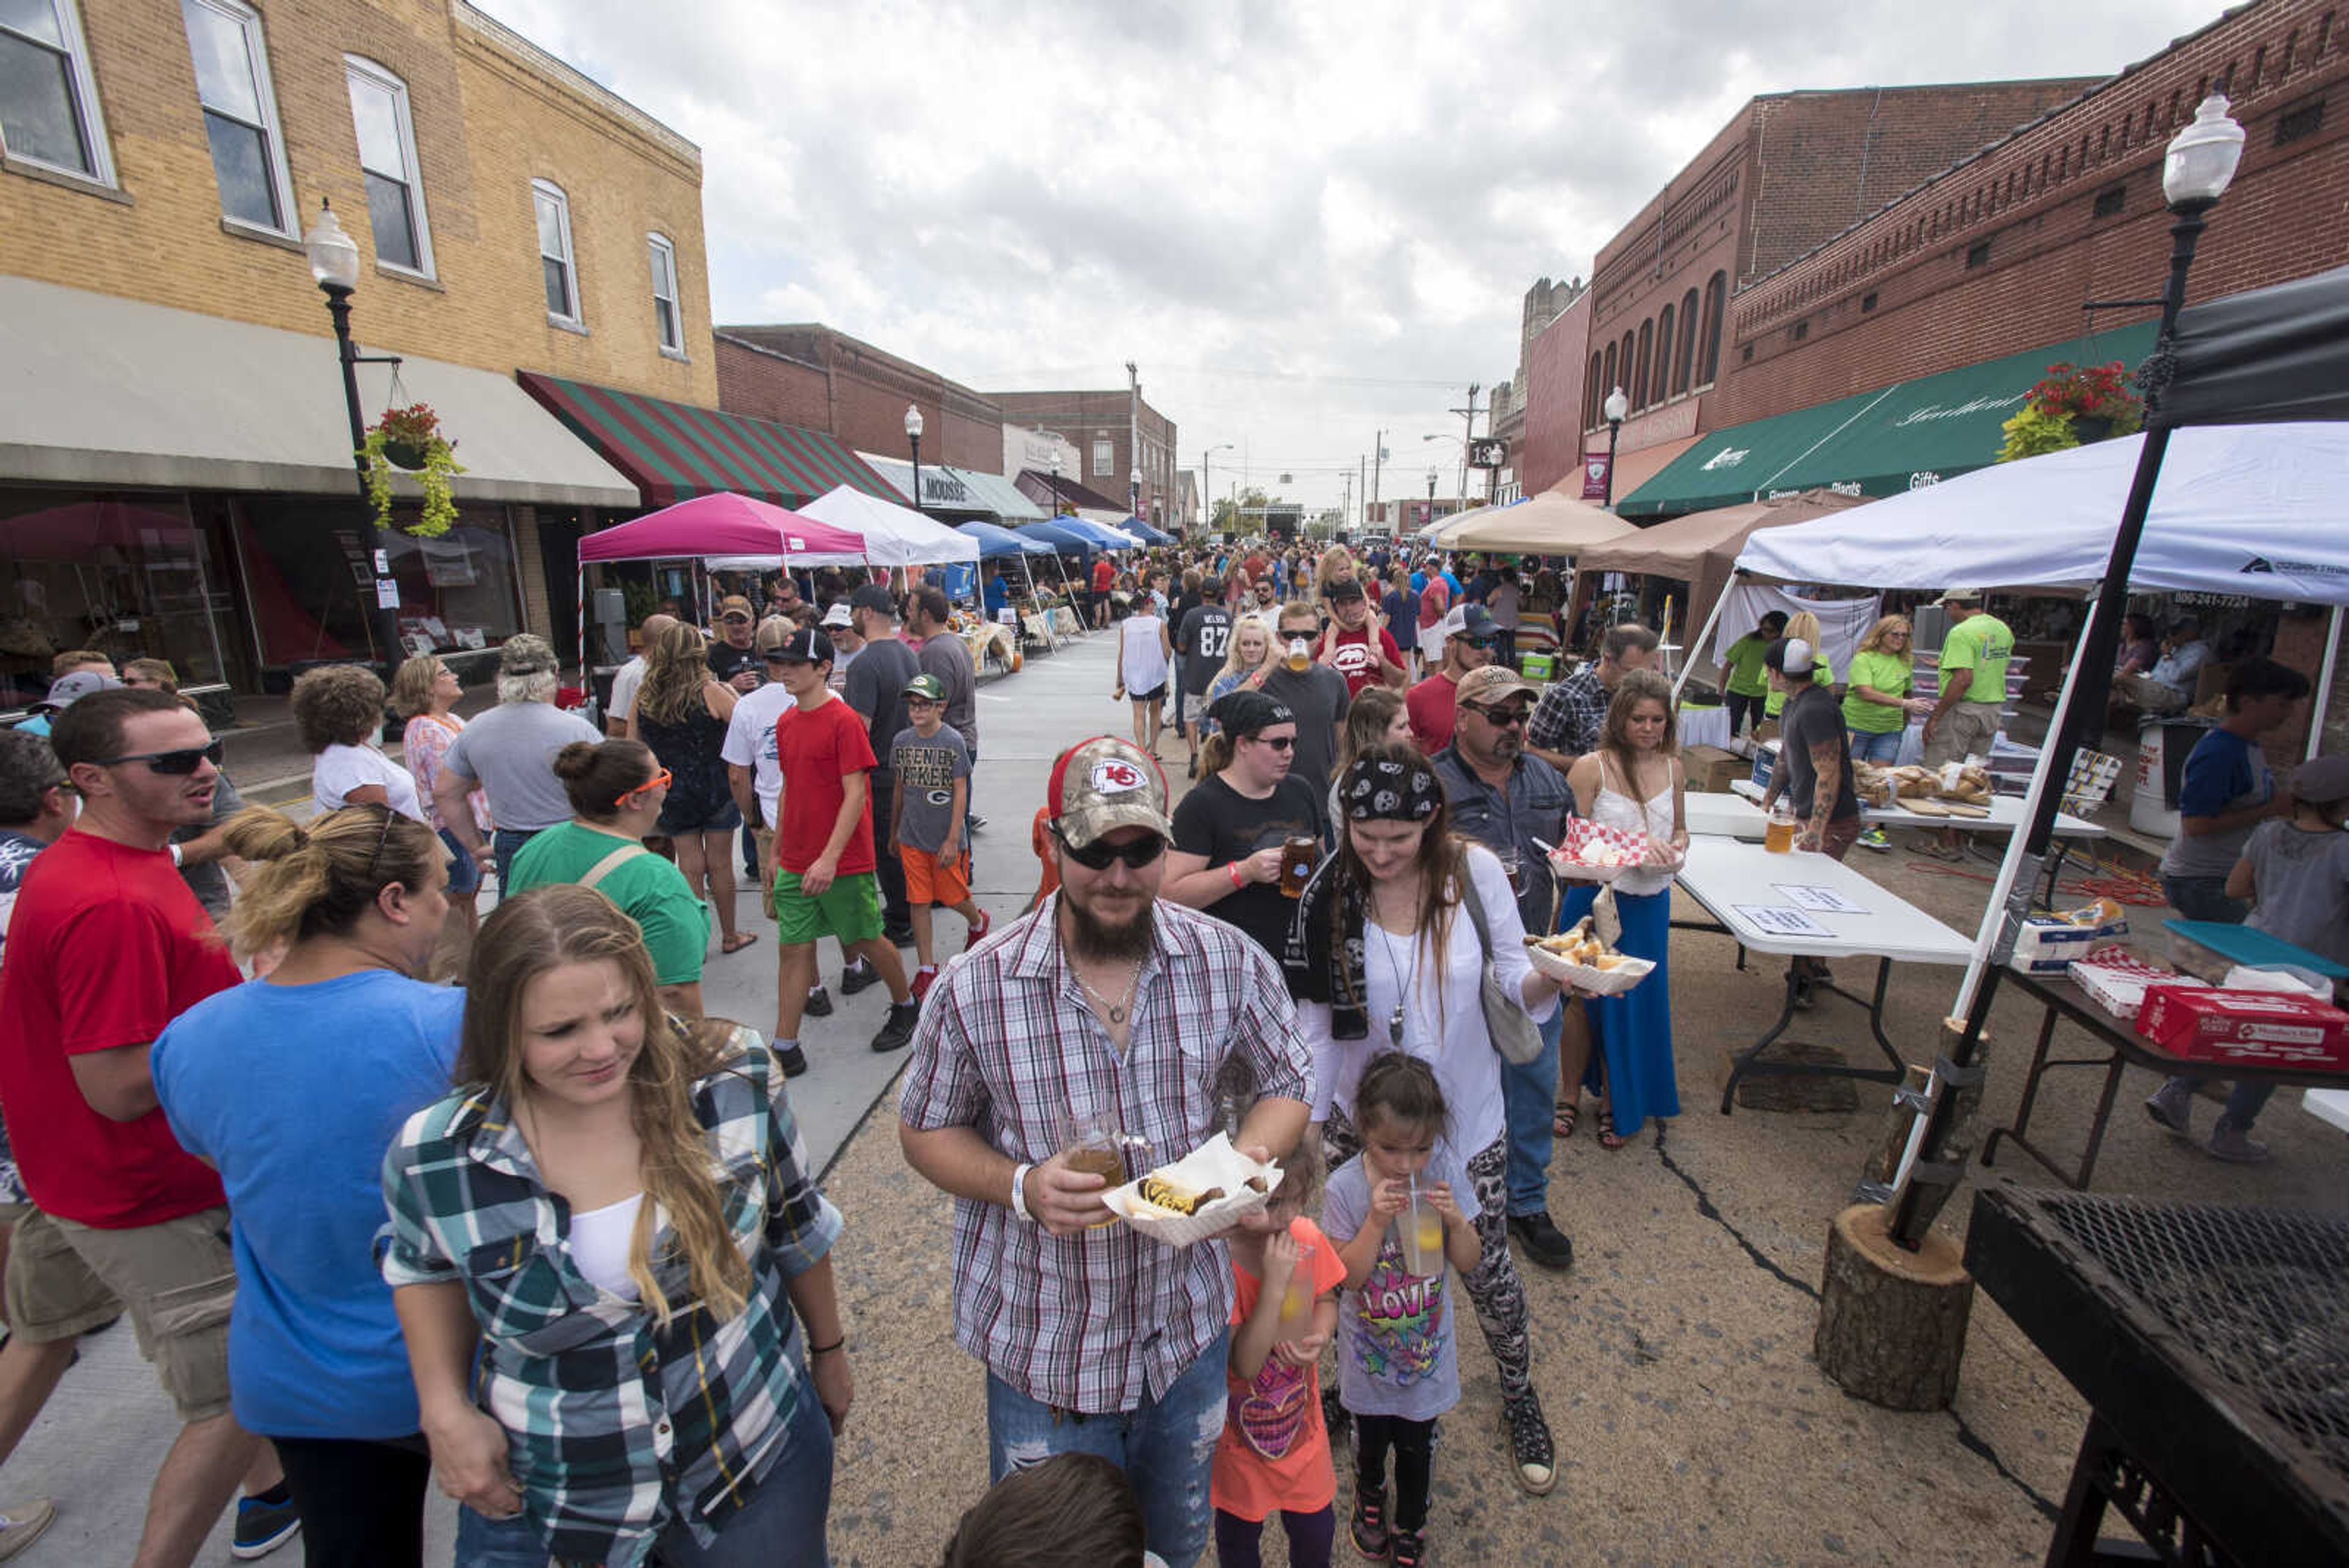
<point x="1892" y="1323"/>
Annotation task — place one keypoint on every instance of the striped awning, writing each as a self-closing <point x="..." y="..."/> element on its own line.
<point x="674" y="452"/>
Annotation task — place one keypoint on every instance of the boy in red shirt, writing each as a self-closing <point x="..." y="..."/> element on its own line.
<point x="1104" y="579"/>
<point x="1353" y="645"/>
<point x="825" y="881"/>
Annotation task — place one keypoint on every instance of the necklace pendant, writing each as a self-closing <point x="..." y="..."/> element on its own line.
<point x="1117" y="1015"/>
<point x="1394" y="1025"/>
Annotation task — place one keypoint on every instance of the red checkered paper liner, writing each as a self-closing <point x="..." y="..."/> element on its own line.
<point x="1581" y="834"/>
<point x="2125" y="960"/>
<point x="2115" y="977"/>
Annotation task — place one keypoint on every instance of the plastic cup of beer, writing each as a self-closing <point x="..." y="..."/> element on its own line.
<point x="1297" y="1304"/>
<point x="1095" y="1144"/>
<point x="1300" y="658"/>
<point x="1422" y="1233"/>
<point x="1298" y="855"/>
<point x="1778" y="835"/>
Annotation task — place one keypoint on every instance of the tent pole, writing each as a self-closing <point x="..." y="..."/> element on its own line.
<point x="2323" y="697"/>
<point x="1712" y="619"/>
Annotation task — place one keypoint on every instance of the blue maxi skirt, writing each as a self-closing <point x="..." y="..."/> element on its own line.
<point x="1633" y="1032"/>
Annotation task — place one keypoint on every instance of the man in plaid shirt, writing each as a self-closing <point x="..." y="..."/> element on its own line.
<point x="1572" y="713"/>
<point x="1105" y="1002"/>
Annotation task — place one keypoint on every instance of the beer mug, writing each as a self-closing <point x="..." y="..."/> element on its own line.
<point x="1095" y="1143"/>
<point x="1298" y="855"/>
<point x="1778" y="836"/>
<point x="1513" y="863"/>
<point x="1301" y="657"/>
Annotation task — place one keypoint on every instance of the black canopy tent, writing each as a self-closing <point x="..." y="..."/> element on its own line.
<point x="2274" y="356"/>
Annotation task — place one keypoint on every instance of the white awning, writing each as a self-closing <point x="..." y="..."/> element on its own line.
<point x="99" y="390"/>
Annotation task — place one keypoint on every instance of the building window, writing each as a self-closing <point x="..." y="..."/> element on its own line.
<point x="1868" y="301"/>
<point x="1977" y="255"/>
<point x="2302" y="120"/>
<point x="1104" y="459"/>
<point x="1802" y="329"/>
<point x="1716" y="306"/>
<point x="240" y="114"/>
<point x="1592" y="391"/>
<point x="668" y="319"/>
<point x="554" y="250"/>
<point x="1687" y="352"/>
<point x="387" y="159"/>
<point x="1661" y="385"/>
<point x="1639" y="375"/>
<point x="48" y="99"/>
<point x="2110" y="201"/>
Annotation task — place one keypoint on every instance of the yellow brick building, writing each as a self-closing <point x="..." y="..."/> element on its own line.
<point x="175" y="474"/>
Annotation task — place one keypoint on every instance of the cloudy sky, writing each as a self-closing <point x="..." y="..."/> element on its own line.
<point x="1305" y="222"/>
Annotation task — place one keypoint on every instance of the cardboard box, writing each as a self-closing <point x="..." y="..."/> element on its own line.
<point x="2265" y="1028"/>
<point x="1710" y="769"/>
<point x="2047" y="944"/>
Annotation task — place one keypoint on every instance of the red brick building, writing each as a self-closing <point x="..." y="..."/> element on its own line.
<point x="818" y="379"/>
<point x="1100" y="425"/>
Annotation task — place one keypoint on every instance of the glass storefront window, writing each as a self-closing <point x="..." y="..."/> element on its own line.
<point x="127" y="573"/>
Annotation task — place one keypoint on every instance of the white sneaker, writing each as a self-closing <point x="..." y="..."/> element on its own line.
<point x="2172" y="1105"/>
<point x="21" y="1524"/>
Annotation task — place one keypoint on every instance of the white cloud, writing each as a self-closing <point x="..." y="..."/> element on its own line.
<point x="1334" y="197"/>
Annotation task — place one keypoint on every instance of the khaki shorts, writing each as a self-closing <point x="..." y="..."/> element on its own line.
<point x="177" y="1279"/>
<point x="1965" y="731"/>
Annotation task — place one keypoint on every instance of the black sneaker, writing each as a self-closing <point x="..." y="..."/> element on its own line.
<point x="977" y="824"/>
<point x="898" y="1031"/>
<point x="857" y="976"/>
<point x="792" y="1060"/>
<point x="818" y="1004"/>
<point x="1407" y="1549"/>
<point x="262" y="1527"/>
<point x="1544" y="1242"/>
<point x="1368" y="1526"/>
<point x="897" y="938"/>
<point x="1532" y="1459"/>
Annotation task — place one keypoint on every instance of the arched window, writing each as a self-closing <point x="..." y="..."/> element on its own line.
<point x="1626" y="364"/>
<point x="1662" y="385"/>
<point x="1640" y="373"/>
<point x="1686" y="354"/>
<point x="1716" y="302"/>
<point x="387" y="133"/>
<point x="1607" y="380"/>
<point x="1592" y="390"/>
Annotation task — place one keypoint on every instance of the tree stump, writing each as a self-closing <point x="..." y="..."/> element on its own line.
<point x="1892" y="1323"/>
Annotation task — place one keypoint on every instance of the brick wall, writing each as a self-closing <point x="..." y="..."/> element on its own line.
<point x="1554" y="369"/>
<point x="827" y="380"/>
<point x="1083" y="417"/>
<point x="490" y="113"/>
<point x="1997" y="253"/>
<point x="770" y="385"/>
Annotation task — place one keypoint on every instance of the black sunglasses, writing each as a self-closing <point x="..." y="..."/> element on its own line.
<point x="181" y="762"/>
<point x="1278" y="743"/>
<point x="1096" y="856"/>
<point x="1504" y="718"/>
<point x="1485" y="643"/>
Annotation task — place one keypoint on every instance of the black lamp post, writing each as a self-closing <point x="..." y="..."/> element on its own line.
<point x="1056" y="487"/>
<point x="2198" y="167"/>
<point x="1615" y="407"/>
<point x="913" y="435"/>
<point x="335" y="265"/>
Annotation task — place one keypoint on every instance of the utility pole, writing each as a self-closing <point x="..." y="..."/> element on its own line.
<point x="1362" y="473"/>
<point x="1378" y="456"/>
<point x="1468" y="413"/>
<point x="1346" y="503"/>
<point x="1134" y="430"/>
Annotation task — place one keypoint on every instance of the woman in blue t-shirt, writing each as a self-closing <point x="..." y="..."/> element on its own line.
<point x="293" y="1085"/>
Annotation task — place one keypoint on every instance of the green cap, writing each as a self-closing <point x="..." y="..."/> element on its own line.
<point x="926" y="686"/>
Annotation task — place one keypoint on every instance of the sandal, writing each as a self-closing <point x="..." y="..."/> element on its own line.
<point x="738" y="942"/>
<point x="1562" y="1123"/>
<point x="1607" y="1138"/>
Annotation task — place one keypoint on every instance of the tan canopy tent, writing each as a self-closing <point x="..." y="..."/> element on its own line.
<point x="1701" y="549"/>
<point x="1551" y="523"/>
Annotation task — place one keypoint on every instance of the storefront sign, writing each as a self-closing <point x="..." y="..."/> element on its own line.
<point x="944" y="489"/>
<point x="1594" y="476"/>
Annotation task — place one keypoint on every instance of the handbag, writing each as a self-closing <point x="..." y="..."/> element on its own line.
<point x="1515" y="1036"/>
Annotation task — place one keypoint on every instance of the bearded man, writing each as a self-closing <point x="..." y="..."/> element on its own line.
<point x="1109" y="1005"/>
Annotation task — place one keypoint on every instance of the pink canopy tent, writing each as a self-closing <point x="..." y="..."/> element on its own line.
<point x="710" y="525"/>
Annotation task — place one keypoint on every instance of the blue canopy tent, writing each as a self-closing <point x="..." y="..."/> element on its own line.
<point x="1149" y="536"/>
<point x="1064" y="537"/>
<point x="1100" y="535"/>
<point x="995" y="542"/>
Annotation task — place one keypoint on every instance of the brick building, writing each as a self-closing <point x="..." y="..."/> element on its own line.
<point x="1544" y="303"/>
<point x="183" y="487"/>
<point x="815" y="376"/>
<point x="1100" y="425"/>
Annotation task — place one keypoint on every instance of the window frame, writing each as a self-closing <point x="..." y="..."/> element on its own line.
<point x="249" y="22"/>
<point x="660" y="244"/>
<point x="570" y="257"/>
<point x="404" y="118"/>
<point x="90" y="116"/>
<point x="1104" y="457"/>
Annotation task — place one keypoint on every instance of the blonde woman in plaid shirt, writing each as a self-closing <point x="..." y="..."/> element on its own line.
<point x="616" y="1204"/>
<point x="1106" y="1001"/>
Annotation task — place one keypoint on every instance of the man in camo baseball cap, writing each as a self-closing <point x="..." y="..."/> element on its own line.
<point x="1102" y="785"/>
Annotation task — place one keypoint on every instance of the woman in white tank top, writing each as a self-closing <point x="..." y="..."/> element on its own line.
<point x="1143" y="650"/>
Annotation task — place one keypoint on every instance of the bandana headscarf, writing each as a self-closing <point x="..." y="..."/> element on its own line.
<point x="1324" y="957"/>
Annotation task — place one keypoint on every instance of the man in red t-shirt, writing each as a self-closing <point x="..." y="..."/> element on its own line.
<point x="1354" y="646"/>
<point x="1434" y="602"/>
<point x="106" y="946"/>
<point x="1467" y="634"/>
<point x="825" y="881"/>
<point x="1104" y="579"/>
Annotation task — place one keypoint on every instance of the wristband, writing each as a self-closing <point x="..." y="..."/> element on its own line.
<point x="1233" y="866"/>
<point x="816" y="1350"/>
<point x="1019" y="1194"/>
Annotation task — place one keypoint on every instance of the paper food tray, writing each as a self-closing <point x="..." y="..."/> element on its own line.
<point x="1581" y="835"/>
<point x="1215" y="1163"/>
<point x="1614" y="982"/>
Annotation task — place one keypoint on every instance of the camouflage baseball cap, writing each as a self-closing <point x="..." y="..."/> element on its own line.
<point x="1102" y="785"/>
<point x="928" y="688"/>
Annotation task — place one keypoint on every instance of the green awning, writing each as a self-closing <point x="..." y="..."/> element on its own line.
<point x="1896" y="438"/>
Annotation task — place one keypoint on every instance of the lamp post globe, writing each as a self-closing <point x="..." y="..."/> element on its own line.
<point x="914" y="436"/>
<point x="334" y="254"/>
<point x="2201" y="161"/>
<point x="1615" y="408"/>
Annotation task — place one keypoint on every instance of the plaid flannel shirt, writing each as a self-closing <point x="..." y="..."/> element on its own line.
<point x="1571" y="714"/>
<point x="1097" y="1322"/>
<point x="615" y="1429"/>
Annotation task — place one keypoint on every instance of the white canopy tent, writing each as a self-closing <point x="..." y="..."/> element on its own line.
<point x="894" y="535"/>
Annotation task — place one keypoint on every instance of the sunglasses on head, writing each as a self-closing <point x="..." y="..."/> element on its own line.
<point x="660" y="780"/>
<point x="179" y="762"/>
<point x="1096" y="856"/>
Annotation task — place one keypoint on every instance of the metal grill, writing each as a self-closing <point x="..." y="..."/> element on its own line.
<point x="2260" y="1296"/>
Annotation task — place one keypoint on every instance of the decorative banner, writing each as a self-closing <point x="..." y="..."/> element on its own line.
<point x="1594" y="476"/>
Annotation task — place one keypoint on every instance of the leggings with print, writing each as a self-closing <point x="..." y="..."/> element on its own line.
<point x="1498" y="1294"/>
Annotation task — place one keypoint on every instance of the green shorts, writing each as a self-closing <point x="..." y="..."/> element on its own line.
<point x="849" y="909"/>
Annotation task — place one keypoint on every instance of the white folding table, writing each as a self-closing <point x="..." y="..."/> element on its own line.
<point x="2005" y="815"/>
<point x="1722" y="874"/>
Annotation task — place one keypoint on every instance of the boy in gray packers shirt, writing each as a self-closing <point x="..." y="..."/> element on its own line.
<point x="931" y="765"/>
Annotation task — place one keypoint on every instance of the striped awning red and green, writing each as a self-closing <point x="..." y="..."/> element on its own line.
<point x="673" y="452"/>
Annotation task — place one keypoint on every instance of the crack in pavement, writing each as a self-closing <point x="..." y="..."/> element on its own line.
<point x="1970" y="1440"/>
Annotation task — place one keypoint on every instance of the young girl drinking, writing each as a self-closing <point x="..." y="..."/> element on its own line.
<point x="1275" y="1453"/>
<point x="1397" y="1370"/>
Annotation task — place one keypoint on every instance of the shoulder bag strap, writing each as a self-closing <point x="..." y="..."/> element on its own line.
<point x="611" y="863"/>
<point x="1475" y="902"/>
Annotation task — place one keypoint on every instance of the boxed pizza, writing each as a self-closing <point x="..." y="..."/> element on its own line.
<point x="2260" y="1028"/>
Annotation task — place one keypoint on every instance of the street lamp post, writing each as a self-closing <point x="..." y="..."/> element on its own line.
<point x="2196" y="171"/>
<point x="335" y="266"/>
<point x="1056" y="488"/>
<point x="1615" y="407"/>
<point x="1207" y="488"/>
<point x="1133" y="494"/>
<point x="913" y="435"/>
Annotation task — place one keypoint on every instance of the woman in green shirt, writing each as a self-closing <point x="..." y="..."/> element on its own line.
<point x="1877" y="706"/>
<point x="1805" y="626"/>
<point x="1743" y="681"/>
<point x="616" y="791"/>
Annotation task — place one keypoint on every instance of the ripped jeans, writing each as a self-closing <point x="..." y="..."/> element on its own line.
<point x="1166" y="1448"/>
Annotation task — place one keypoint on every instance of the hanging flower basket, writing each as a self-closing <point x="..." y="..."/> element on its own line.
<point x="2071" y="406"/>
<point x="409" y="438"/>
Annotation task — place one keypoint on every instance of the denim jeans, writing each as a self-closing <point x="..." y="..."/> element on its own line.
<point x="791" y="1505"/>
<point x="1167" y="1447"/>
<point x="506" y="842"/>
<point x="1866" y="746"/>
<point x="1529" y="1100"/>
<point x="2205" y="899"/>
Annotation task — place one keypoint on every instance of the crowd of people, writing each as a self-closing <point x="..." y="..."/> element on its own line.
<point x="551" y="1237"/>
